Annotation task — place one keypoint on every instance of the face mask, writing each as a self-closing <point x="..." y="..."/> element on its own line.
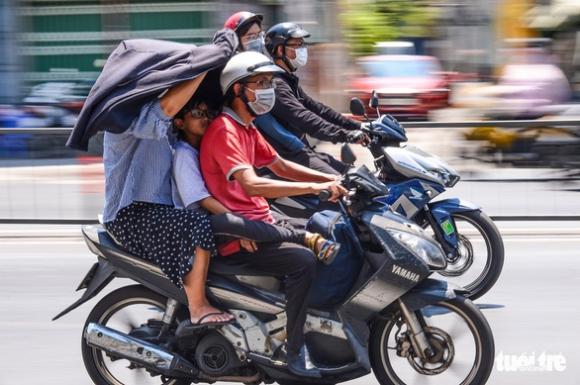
<point x="256" y="45"/>
<point x="301" y="57"/>
<point x="264" y="102"/>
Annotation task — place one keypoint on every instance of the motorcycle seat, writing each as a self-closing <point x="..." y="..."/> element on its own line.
<point x="218" y="266"/>
<point x="221" y="267"/>
<point x="99" y="235"/>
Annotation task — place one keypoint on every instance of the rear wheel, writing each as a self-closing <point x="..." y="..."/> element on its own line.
<point x="125" y="310"/>
<point x="304" y="382"/>
<point x="459" y="335"/>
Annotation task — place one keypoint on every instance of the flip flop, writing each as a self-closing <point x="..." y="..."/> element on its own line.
<point x="187" y="327"/>
<point x="328" y="252"/>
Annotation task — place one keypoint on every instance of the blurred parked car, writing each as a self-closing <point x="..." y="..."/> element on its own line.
<point x="530" y="86"/>
<point x="58" y="103"/>
<point x="408" y="86"/>
<point x="68" y="95"/>
<point x="22" y="117"/>
<point x="395" y="48"/>
<point x="529" y="91"/>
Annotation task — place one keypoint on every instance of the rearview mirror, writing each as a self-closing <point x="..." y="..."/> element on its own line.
<point x="357" y="107"/>
<point x="374" y="101"/>
<point x="347" y="155"/>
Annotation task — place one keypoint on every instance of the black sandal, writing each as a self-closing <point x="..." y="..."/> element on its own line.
<point x="187" y="327"/>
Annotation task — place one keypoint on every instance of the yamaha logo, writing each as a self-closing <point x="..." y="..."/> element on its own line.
<point x="398" y="270"/>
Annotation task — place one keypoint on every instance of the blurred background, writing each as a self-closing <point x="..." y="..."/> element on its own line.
<point x="453" y="71"/>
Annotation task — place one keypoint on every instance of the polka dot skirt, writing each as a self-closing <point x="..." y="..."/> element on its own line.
<point x="163" y="235"/>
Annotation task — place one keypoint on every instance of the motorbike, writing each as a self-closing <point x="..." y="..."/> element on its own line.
<point x="395" y="320"/>
<point x="472" y="243"/>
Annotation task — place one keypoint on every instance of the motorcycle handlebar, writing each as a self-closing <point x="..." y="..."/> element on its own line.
<point x="324" y="195"/>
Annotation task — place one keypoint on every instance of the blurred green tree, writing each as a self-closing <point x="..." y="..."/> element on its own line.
<point x="367" y="22"/>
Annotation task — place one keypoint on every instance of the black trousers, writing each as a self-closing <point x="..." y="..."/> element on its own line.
<point x="227" y="226"/>
<point x="296" y="266"/>
<point x="316" y="160"/>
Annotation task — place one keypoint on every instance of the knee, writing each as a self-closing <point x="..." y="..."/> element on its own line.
<point x="307" y="263"/>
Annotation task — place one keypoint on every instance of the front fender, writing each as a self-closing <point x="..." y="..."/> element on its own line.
<point x="453" y="205"/>
<point x="442" y="212"/>
<point x="429" y="292"/>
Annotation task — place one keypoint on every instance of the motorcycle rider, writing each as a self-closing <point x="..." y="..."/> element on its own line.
<point x="248" y="28"/>
<point x="297" y="112"/>
<point x="246" y="82"/>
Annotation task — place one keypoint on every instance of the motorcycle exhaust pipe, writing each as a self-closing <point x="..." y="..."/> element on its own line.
<point x="138" y="351"/>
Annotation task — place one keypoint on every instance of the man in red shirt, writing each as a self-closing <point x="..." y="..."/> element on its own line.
<point x="230" y="150"/>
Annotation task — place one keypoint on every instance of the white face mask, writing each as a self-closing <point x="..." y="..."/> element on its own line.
<point x="264" y="102"/>
<point x="256" y="45"/>
<point x="301" y="57"/>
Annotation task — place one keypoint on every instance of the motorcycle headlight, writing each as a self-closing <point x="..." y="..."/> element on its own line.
<point x="430" y="252"/>
<point x="449" y="180"/>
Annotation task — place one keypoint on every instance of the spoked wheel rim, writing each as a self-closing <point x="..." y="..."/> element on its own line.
<point x="473" y="262"/>
<point x="124" y="316"/>
<point x="459" y="363"/>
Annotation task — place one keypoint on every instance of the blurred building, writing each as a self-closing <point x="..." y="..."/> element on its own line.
<point x="560" y="21"/>
<point x="69" y="40"/>
<point x="52" y="41"/>
<point x="10" y="66"/>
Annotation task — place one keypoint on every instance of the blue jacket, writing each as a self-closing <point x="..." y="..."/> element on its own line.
<point x="139" y="70"/>
<point x="275" y="132"/>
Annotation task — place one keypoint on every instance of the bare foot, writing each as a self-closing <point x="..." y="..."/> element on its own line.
<point x="198" y="312"/>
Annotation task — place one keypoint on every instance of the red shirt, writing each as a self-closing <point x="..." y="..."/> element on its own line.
<point x="229" y="146"/>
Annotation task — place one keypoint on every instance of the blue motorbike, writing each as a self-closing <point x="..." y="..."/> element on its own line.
<point x="472" y="243"/>
<point x="392" y="318"/>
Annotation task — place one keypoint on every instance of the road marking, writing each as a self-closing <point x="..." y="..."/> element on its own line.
<point x="539" y="240"/>
<point x="49" y="241"/>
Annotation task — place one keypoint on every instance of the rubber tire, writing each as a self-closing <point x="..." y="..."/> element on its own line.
<point x="480" y="324"/>
<point x="305" y="382"/>
<point x="122" y="294"/>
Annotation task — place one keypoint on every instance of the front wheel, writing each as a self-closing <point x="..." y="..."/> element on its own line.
<point x="459" y="335"/>
<point x="478" y="261"/>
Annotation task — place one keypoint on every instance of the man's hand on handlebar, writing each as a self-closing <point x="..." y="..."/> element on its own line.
<point x="335" y="190"/>
<point x="359" y="137"/>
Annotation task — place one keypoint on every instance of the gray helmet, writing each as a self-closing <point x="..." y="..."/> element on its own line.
<point x="244" y="65"/>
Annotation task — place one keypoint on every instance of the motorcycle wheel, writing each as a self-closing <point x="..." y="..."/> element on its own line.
<point x="303" y="382"/>
<point x="123" y="310"/>
<point x="480" y="256"/>
<point x="458" y="332"/>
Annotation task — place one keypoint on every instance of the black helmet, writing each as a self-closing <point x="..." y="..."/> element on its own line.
<point x="280" y="33"/>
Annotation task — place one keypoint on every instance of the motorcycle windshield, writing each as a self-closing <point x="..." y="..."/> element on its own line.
<point x="415" y="163"/>
<point x="429" y="161"/>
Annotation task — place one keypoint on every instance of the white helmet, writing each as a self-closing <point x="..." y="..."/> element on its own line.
<point x="243" y="65"/>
